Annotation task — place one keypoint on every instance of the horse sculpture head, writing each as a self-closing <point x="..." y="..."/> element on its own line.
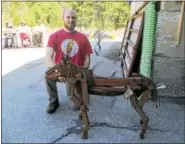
<point x="63" y="69"/>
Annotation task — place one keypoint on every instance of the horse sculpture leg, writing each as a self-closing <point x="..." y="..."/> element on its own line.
<point x="144" y="118"/>
<point x="85" y="118"/>
<point x="83" y="114"/>
<point x="144" y="97"/>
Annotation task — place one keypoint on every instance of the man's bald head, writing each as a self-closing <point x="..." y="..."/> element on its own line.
<point x="69" y="19"/>
<point x="68" y="11"/>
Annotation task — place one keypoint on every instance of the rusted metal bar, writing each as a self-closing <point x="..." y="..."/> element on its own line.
<point x="114" y="82"/>
<point x="139" y="9"/>
<point x="125" y="67"/>
<point x="100" y="92"/>
<point x="122" y="65"/>
<point x="99" y="77"/>
<point x="128" y="55"/>
<point x="130" y="42"/>
<point x="111" y="82"/>
<point x="124" y="33"/>
<point x="129" y="34"/>
<point x="180" y="23"/>
<point x="133" y="30"/>
<point x="136" y="44"/>
<point x="110" y="89"/>
<point x="137" y="16"/>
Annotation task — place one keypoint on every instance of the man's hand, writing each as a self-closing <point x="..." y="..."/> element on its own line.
<point x="85" y="67"/>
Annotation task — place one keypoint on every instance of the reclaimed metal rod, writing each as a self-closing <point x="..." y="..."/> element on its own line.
<point x="99" y="77"/>
<point x="124" y="34"/>
<point x="138" y="15"/>
<point x="111" y="82"/>
<point x="129" y="33"/>
<point x="139" y="9"/>
<point x="125" y="67"/>
<point x="128" y="55"/>
<point x="115" y="82"/>
<point x="109" y="89"/>
<point x="130" y="42"/>
<point x="99" y="92"/>
<point x="135" y="49"/>
<point x="180" y="23"/>
<point x="133" y="30"/>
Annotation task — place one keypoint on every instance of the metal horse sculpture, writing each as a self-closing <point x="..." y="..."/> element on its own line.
<point x="137" y="88"/>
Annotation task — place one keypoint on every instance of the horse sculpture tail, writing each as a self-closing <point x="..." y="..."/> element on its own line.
<point x="155" y="97"/>
<point x="150" y="85"/>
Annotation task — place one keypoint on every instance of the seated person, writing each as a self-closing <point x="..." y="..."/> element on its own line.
<point x="38" y="33"/>
<point x="9" y="35"/>
<point x="24" y="33"/>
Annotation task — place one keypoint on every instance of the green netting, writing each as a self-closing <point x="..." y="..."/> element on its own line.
<point x="148" y="40"/>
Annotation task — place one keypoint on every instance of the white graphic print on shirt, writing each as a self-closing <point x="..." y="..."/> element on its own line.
<point x="69" y="47"/>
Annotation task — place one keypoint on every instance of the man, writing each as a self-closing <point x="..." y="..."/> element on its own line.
<point x="66" y="41"/>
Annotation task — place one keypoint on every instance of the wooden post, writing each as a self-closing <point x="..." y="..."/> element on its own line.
<point x="180" y="24"/>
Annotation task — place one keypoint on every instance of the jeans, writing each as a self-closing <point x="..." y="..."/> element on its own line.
<point x="51" y="86"/>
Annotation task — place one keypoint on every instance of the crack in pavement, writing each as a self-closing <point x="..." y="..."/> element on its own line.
<point x="112" y="103"/>
<point x="74" y="130"/>
<point x="69" y="131"/>
<point x="35" y="85"/>
<point x="96" y="64"/>
<point x="161" y="130"/>
<point x="96" y="124"/>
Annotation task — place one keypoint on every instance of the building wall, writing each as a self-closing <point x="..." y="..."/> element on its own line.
<point x="170" y="6"/>
<point x="171" y="11"/>
<point x="168" y="57"/>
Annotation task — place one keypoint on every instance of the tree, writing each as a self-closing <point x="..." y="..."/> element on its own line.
<point x="90" y="14"/>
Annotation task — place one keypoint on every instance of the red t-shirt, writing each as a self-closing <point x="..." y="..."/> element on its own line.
<point x="75" y="44"/>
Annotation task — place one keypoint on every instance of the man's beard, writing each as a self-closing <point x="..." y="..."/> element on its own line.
<point x="70" y="28"/>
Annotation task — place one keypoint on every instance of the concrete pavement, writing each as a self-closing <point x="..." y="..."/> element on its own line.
<point x="24" y="117"/>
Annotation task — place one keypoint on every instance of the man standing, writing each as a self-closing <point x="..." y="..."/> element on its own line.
<point x="66" y="41"/>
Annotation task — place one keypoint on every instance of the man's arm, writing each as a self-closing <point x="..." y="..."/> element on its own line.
<point x="87" y="61"/>
<point x="88" y="52"/>
<point x="49" y="57"/>
<point x="50" y="62"/>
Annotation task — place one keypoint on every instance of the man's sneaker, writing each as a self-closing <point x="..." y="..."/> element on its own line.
<point x="52" y="107"/>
